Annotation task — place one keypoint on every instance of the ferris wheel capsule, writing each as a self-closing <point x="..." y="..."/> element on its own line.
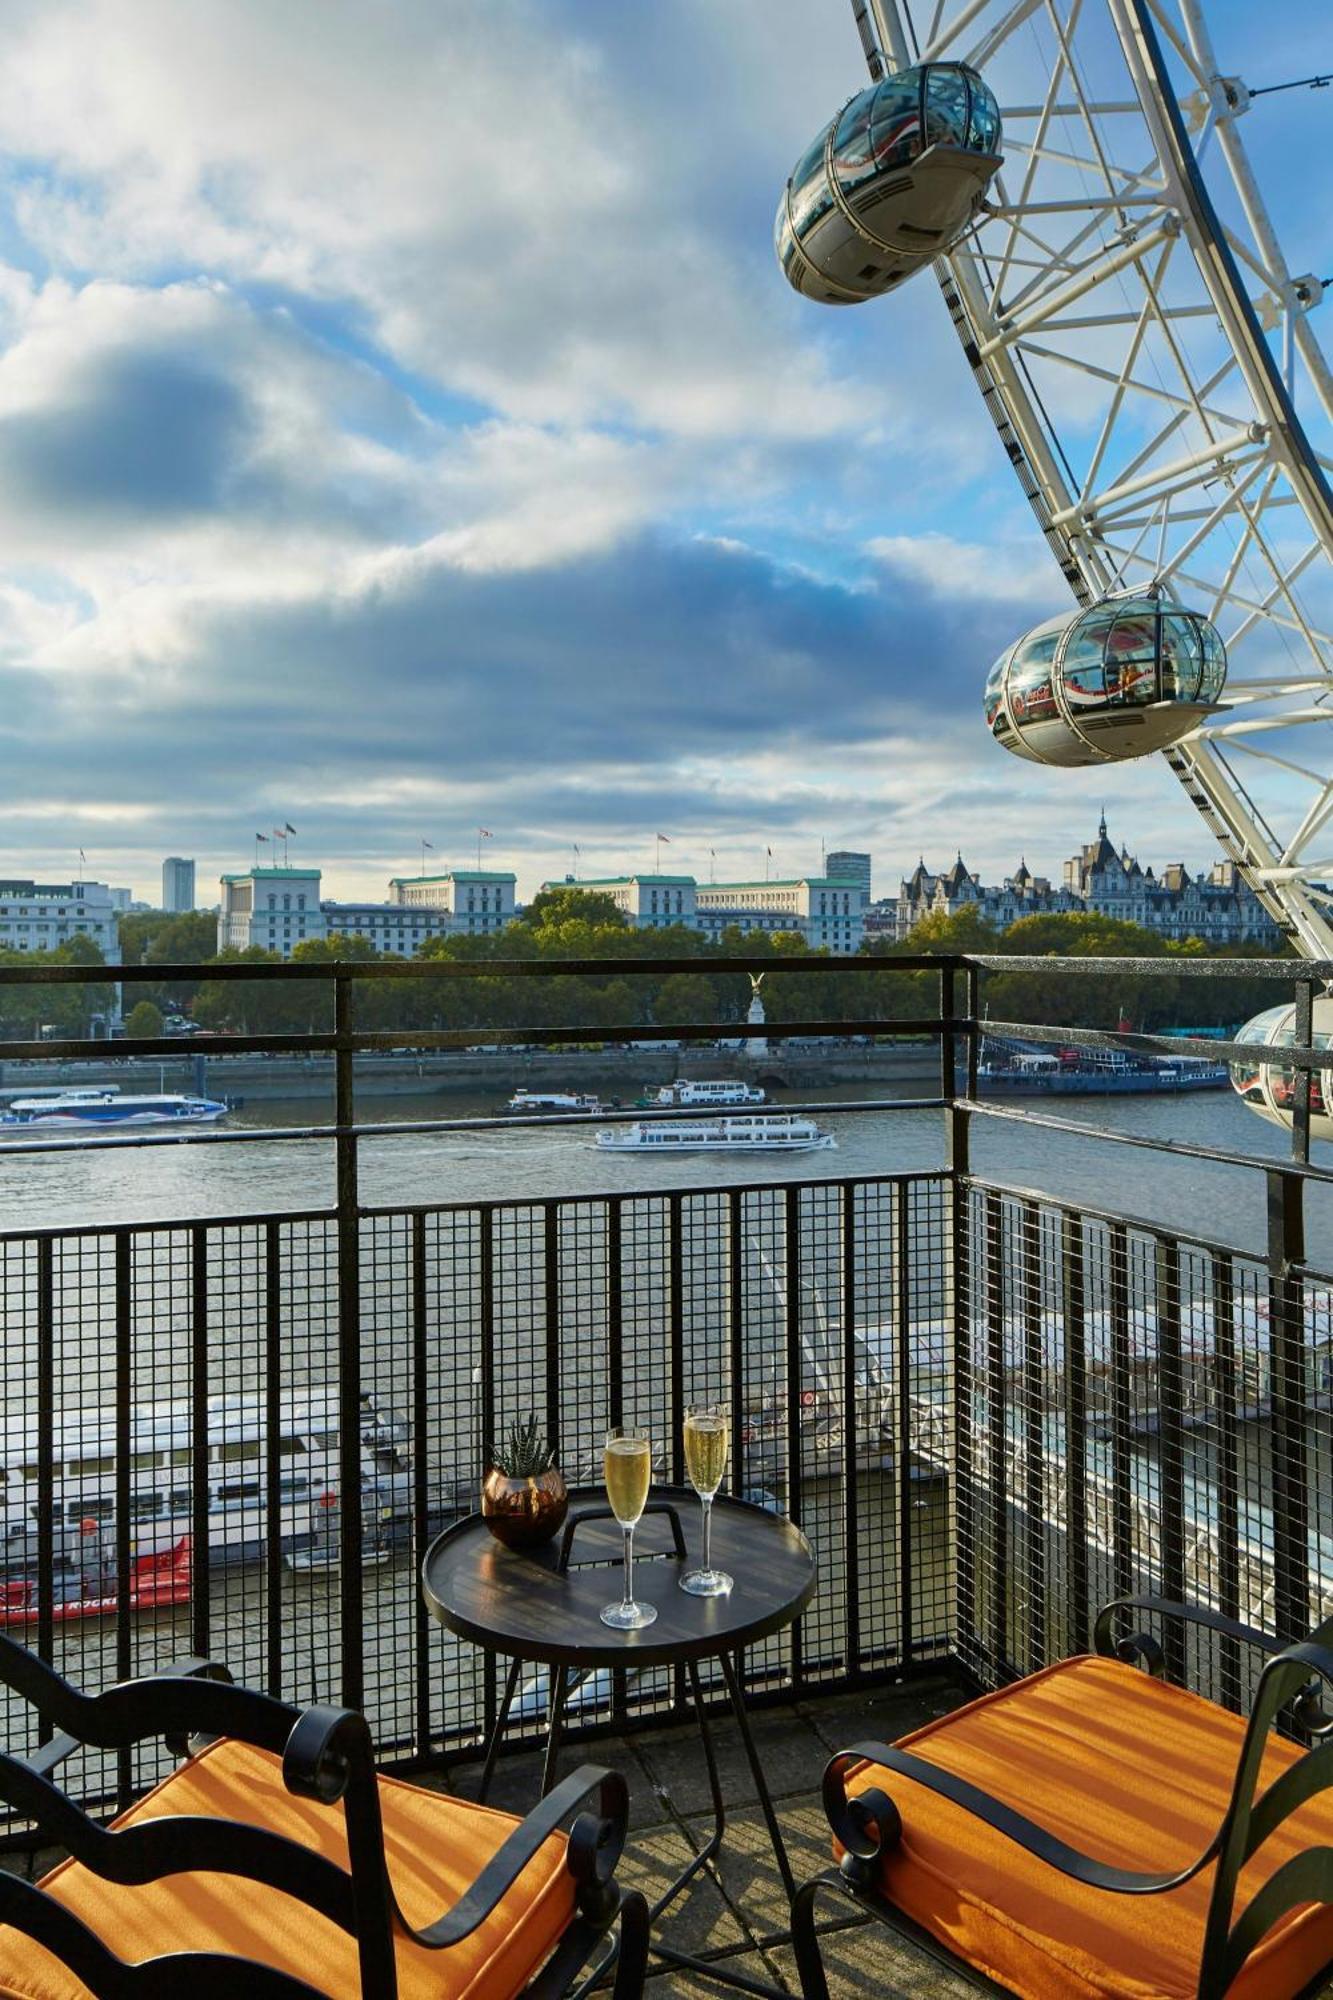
<point x="1120" y="679"/>
<point x="1272" y="1087"/>
<point x="890" y="183"/>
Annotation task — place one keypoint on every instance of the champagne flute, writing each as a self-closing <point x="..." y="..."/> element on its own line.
<point x="627" y="1464"/>
<point x="707" y="1435"/>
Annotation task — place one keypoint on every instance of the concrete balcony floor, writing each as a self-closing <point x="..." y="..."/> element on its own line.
<point x="735" y="1910"/>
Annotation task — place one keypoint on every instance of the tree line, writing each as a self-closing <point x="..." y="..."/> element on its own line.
<point x="565" y="924"/>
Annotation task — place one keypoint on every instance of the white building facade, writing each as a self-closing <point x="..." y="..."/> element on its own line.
<point x="279" y="908"/>
<point x="274" y="908"/>
<point x="825" y="911"/>
<point x="464" y="902"/>
<point x="649" y="902"/>
<point x="38" y="916"/>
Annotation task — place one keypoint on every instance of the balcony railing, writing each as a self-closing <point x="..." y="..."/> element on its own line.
<point x="989" y="1407"/>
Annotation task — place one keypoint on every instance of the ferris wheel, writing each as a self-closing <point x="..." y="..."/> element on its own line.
<point x="1076" y="174"/>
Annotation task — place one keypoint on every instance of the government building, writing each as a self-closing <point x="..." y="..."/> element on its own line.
<point x="823" y="909"/>
<point x="38" y="916"/>
<point x="279" y="908"/>
<point x="1097" y="881"/>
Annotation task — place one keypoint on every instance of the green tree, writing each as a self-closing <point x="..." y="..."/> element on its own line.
<point x="685" y="999"/>
<point x="550" y="908"/>
<point x="143" y="1023"/>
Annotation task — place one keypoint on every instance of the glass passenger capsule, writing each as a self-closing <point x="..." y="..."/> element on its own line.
<point x="1128" y="676"/>
<point x="1271" y="1088"/>
<point x="891" y="182"/>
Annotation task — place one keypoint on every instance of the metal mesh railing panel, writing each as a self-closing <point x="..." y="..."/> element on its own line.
<point x="1141" y="1413"/>
<point x="183" y="1385"/>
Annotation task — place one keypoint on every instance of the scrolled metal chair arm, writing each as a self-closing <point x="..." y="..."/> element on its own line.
<point x="594" y="1847"/>
<point x="865" y="1826"/>
<point x="326" y="1746"/>
<point x="887" y="1826"/>
<point x="1104" y="1642"/>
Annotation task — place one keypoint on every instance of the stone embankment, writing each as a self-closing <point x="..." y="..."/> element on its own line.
<point x="613" y="1072"/>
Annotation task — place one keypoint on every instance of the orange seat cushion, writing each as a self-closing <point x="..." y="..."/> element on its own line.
<point x="434" y="1846"/>
<point x="1128" y="1770"/>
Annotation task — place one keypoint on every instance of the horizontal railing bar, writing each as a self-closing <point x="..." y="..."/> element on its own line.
<point x="372" y="1040"/>
<point x="82" y="1232"/>
<point x="390" y="1128"/>
<point x="596" y="1198"/>
<point x="490" y="1204"/>
<point x="1181" y="1148"/>
<point x="229" y="970"/>
<point x="1153" y="968"/>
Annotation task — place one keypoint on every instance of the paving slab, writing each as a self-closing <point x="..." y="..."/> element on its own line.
<point x="791" y="1753"/>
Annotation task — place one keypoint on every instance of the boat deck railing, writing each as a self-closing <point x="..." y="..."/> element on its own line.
<point x="990" y="1406"/>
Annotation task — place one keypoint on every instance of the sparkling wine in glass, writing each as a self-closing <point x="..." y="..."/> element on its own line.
<point x="707" y="1435"/>
<point x="627" y="1465"/>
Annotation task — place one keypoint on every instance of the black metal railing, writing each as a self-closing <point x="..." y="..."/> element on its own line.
<point x="990" y="1407"/>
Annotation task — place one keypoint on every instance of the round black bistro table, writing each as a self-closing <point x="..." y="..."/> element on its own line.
<point x="542" y="1607"/>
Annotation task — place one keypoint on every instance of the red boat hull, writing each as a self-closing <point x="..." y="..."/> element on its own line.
<point x="156" y="1581"/>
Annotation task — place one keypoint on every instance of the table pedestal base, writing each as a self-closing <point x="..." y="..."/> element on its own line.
<point x="739" y="1982"/>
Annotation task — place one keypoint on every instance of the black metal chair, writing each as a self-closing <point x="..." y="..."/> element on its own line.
<point x="273" y="1862"/>
<point x="1095" y="1829"/>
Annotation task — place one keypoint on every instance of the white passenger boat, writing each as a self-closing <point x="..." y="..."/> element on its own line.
<point x="85" y="1459"/>
<point x="552" y="1100"/>
<point x="765" y="1132"/>
<point x="105" y="1107"/>
<point x="706" y="1093"/>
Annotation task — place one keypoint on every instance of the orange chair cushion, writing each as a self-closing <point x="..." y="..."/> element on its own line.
<point x="434" y="1846"/>
<point x="1128" y="1770"/>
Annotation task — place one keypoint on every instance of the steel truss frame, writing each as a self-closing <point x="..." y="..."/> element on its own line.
<point x="1143" y="350"/>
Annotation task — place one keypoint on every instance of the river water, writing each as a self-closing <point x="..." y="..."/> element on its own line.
<point x="196" y="1181"/>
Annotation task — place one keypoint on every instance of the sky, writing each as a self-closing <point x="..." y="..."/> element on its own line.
<point x="405" y="429"/>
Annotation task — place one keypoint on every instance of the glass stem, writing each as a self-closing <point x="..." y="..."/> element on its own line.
<point x="707" y="1499"/>
<point x="629" y="1566"/>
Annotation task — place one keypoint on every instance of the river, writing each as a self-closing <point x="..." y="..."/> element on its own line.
<point x="180" y="1183"/>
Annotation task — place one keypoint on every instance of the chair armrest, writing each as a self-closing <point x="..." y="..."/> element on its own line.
<point x="595" y="1843"/>
<point x="1306" y="1708"/>
<point x="869" y="1825"/>
<point x="1144" y="1646"/>
<point x="176" y="1702"/>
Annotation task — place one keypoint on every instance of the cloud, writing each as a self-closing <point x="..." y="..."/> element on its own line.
<point x="404" y="424"/>
<point x="476" y="183"/>
<point x="684" y="683"/>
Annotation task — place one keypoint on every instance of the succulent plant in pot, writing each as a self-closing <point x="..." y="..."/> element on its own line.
<point x="524" y="1498"/>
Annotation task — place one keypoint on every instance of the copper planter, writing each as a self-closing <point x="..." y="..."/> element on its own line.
<point x="524" y="1513"/>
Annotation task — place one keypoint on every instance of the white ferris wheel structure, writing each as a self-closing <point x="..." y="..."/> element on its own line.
<point x="1149" y="361"/>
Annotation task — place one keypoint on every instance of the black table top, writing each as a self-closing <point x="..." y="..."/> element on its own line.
<point x="523" y="1605"/>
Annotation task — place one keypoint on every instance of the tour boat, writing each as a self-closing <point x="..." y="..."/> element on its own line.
<point x="106" y="1107"/>
<point x="705" y="1094"/>
<point x="773" y="1132"/>
<point x="84" y="1457"/>
<point x="552" y="1100"/>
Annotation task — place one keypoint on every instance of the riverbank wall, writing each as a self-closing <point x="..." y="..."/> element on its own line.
<point x="613" y="1072"/>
